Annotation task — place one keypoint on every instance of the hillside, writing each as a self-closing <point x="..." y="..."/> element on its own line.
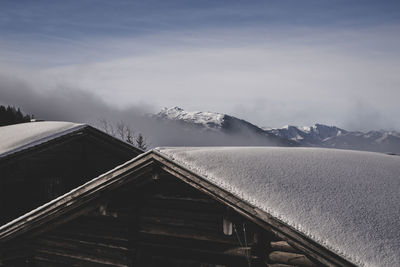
<point x="246" y="133"/>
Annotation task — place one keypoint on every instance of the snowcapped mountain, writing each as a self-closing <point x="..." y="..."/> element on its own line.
<point x="241" y="132"/>
<point x="331" y="136"/>
<point x="208" y="120"/>
<point x="244" y="133"/>
<point x="314" y="135"/>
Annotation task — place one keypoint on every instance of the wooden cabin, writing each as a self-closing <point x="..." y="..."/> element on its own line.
<point x="215" y="207"/>
<point x="42" y="160"/>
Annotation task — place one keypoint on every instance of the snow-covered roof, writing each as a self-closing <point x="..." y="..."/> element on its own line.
<point x="347" y="201"/>
<point x="18" y="137"/>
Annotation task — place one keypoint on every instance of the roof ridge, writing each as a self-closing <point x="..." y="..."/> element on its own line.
<point x="44" y="139"/>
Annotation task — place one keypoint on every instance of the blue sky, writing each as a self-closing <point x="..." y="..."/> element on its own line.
<point x="78" y="19"/>
<point x="271" y="62"/>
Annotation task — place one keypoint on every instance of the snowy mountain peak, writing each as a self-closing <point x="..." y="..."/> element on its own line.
<point x="172" y="109"/>
<point x="335" y="137"/>
<point x="207" y="119"/>
<point x="308" y="134"/>
<point x="246" y="133"/>
<point x="234" y="131"/>
<point x="325" y="131"/>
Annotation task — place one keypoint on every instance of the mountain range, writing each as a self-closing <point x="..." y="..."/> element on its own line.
<point x="318" y="135"/>
<point x="219" y="129"/>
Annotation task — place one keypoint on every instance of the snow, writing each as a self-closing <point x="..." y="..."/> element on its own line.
<point x="397" y="134"/>
<point x="21" y="136"/>
<point x="305" y="129"/>
<point x="198" y="117"/>
<point x="316" y="131"/>
<point x="347" y="201"/>
<point x="332" y="136"/>
<point x="382" y="138"/>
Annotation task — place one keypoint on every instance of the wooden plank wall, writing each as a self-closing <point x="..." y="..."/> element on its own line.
<point x="25" y="181"/>
<point x="161" y="223"/>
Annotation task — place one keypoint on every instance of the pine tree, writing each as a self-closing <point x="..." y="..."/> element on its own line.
<point x="124" y="132"/>
<point x="141" y="142"/>
<point x="129" y="136"/>
<point x="10" y="115"/>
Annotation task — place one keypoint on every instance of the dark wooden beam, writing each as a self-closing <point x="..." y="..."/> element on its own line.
<point x="71" y="202"/>
<point x="291" y="258"/>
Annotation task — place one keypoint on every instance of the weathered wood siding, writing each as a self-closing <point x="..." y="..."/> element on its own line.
<point x="163" y="222"/>
<point x="33" y="179"/>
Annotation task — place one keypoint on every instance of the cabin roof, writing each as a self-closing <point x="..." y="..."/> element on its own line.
<point x="347" y="201"/>
<point x="18" y="137"/>
<point x="336" y="204"/>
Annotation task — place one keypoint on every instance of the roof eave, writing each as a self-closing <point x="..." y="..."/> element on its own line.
<point x="253" y="213"/>
<point x="146" y="162"/>
<point x="64" y="136"/>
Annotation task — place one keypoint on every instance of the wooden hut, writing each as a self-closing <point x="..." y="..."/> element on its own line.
<point x="42" y="160"/>
<point x="219" y="207"/>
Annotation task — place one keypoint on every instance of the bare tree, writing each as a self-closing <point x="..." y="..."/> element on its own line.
<point x="129" y="135"/>
<point x="124" y="132"/>
<point x="107" y="127"/>
<point x="121" y="130"/>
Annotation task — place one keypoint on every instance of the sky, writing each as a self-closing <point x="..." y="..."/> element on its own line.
<point x="271" y="62"/>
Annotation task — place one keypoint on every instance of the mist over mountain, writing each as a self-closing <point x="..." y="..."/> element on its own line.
<point x="333" y="137"/>
<point x="318" y="135"/>
<point x="227" y="129"/>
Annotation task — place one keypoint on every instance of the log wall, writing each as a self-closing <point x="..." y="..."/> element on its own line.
<point x="35" y="178"/>
<point x="164" y="222"/>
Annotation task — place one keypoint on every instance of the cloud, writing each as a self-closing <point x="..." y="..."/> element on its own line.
<point x="72" y="104"/>
<point x="58" y="103"/>
<point x="270" y="77"/>
<point x="365" y="116"/>
<point x="303" y="78"/>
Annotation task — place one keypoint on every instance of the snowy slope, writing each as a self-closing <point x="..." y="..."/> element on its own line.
<point x="240" y="132"/>
<point x="313" y="135"/>
<point x="334" y="137"/>
<point x="348" y="201"/>
<point x="246" y="133"/>
<point x="209" y="120"/>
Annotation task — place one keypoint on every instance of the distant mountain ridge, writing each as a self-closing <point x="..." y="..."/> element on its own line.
<point x="206" y="120"/>
<point x="333" y="137"/>
<point x="224" y="124"/>
<point x="314" y="135"/>
<point x="318" y="135"/>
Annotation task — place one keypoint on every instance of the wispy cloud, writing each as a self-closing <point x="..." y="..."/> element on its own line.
<point x="270" y="63"/>
<point x="71" y="104"/>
